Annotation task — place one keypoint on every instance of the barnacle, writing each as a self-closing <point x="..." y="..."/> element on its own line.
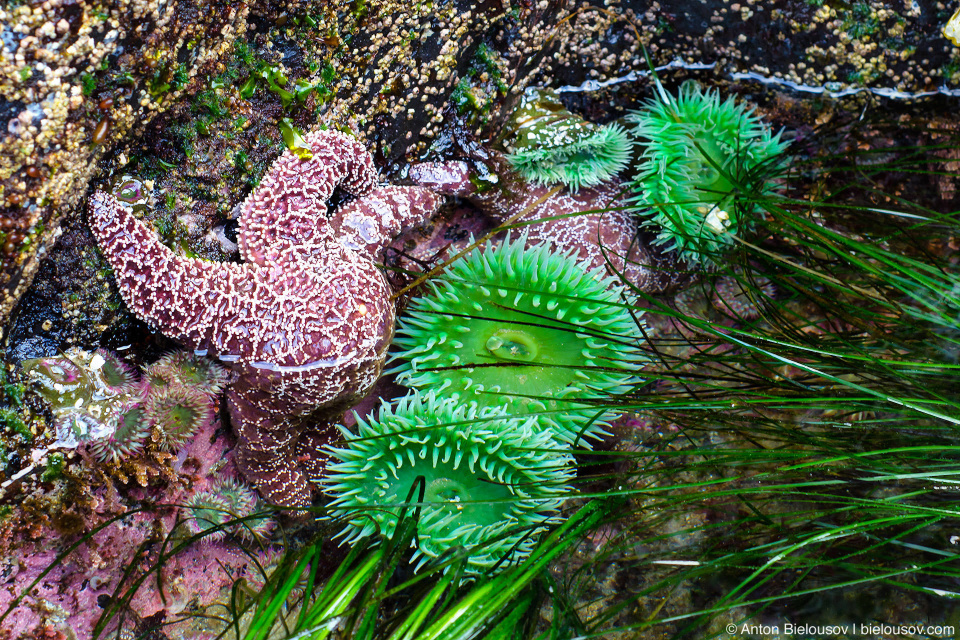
<point x="490" y="482"/>
<point x="525" y="328"/>
<point x="704" y="164"/>
<point x="550" y="145"/>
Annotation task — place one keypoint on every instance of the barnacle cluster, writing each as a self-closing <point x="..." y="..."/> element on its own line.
<point x="548" y="144"/>
<point x="509" y="358"/>
<point x="99" y="400"/>
<point x="704" y="164"/>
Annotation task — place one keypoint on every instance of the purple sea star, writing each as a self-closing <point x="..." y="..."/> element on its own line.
<point x="594" y="222"/>
<point x="305" y="323"/>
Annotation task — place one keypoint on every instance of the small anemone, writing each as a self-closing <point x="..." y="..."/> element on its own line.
<point x="256" y="526"/>
<point x="128" y="439"/>
<point x="118" y="376"/>
<point x="550" y="145"/>
<point x="740" y="300"/>
<point x="240" y="497"/>
<point x="254" y="523"/>
<point x="204" y="512"/>
<point x="232" y="506"/>
<point x="189" y="369"/>
<point x="704" y="164"/>
<point x="75" y="426"/>
<point x="527" y="329"/>
<point x="490" y="483"/>
<point x="178" y="413"/>
<point x="67" y="381"/>
<point x="156" y="377"/>
<point x="55" y="370"/>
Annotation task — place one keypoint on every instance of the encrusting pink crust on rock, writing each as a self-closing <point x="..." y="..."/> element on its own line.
<point x="305" y="323"/>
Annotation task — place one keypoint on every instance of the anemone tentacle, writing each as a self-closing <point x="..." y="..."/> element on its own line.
<point x="549" y="145"/>
<point x="207" y="513"/>
<point x="118" y="376"/>
<point x="130" y="435"/>
<point x="489" y="486"/>
<point x="177" y="413"/>
<point x="527" y="329"/>
<point x="195" y="371"/>
<point x="704" y="163"/>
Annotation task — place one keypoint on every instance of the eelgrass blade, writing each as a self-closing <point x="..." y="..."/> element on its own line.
<point x="467" y="617"/>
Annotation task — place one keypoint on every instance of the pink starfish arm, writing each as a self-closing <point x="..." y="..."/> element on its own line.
<point x="305" y="324"/>
<point x="334" y="311"/>
<point x="368" y="224"/>
<point x="288" y="210"/>
<point x="593" y="223"/>
<point x="300" y="338"/>
<point x="182" y="297"/>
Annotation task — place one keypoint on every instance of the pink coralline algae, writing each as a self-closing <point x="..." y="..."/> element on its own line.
<point x="305" y="323"/>
<point x="593" y="222"/>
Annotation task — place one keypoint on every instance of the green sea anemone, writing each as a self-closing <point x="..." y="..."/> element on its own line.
<point x="252" y="522"/>
<point x="704" y="163"/>
<point x="227" y="504"/>
<point x="157" y="376"/>
<point x="256" y="526"/>
<point x="205" y="511"/>
<point x="83" y="404"/>
<point x="177" y="412"/>
<point x="191" y="370"/>
<point x="240" y="497"/>
<point x="129" y="437"/>
<point x="117" y="374"/>
<point x="525" y="328"/>
<point x="490" y="483"/>
<point x="550" y="145"/>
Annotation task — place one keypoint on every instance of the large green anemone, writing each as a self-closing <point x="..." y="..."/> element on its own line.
<point x="490" y="483"/>
<point x="525" y="328"/>
<point x="550" y="145"/>
<point x="704" y="164"/>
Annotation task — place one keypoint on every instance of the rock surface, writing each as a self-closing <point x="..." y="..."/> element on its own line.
<point x="84" y="80"/>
